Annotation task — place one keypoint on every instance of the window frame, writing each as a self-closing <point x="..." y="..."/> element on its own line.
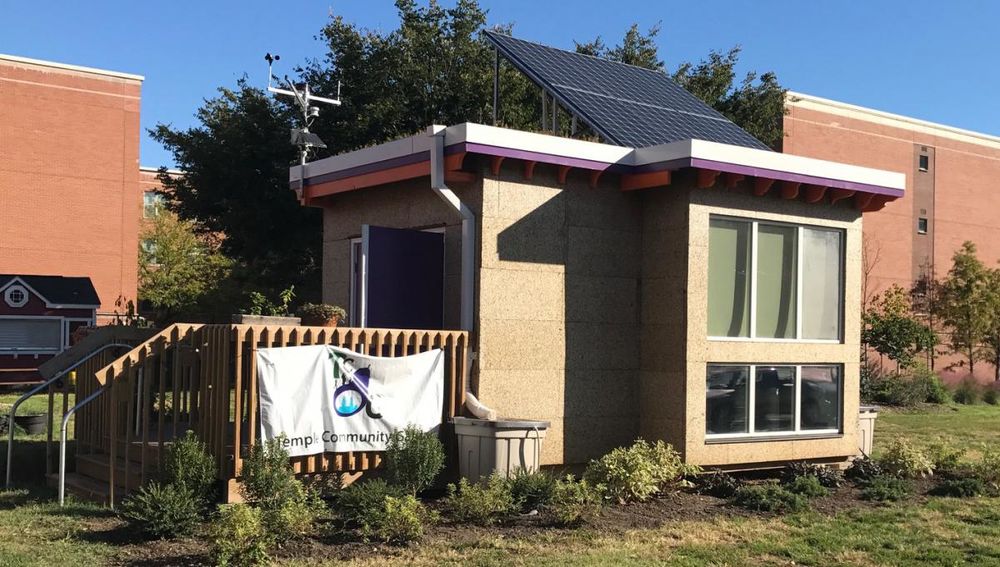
<point x="800" y="228"/>
<point x="38" y="350"/>
<point x="751" y="403"/>
<point x="923" y="225"/>
<point x="924" y="163"/>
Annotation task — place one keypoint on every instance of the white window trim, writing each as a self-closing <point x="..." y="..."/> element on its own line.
<point x="10" y="291"/>
<point x="64" y="338"/>
<point x="800" y="231"/>
<point x="750" y="434"/>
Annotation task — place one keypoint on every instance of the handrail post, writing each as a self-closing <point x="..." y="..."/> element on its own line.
<point x="39" y="388"/>
<point x="62" y="442"/>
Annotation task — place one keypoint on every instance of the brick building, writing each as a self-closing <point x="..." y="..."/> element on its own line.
<point x="950" y="187"/>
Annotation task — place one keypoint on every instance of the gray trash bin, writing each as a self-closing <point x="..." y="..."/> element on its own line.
<point x="866" y="429"/>
<point x="502" y="446"/>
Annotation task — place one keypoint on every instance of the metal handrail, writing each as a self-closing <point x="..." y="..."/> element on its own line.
<point x="39" y="388"/>
<point x="62" y="441"/>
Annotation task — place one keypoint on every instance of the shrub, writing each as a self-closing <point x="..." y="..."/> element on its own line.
<point x="988" y="469"/>
<point x="896" y="389"/>
<point x="413" y="458"/>
<point x="828" y="477"/>
<point x="484" y="502"/>
<point x="636" y="473"/>
<point x="573" y="502"/>
<point x="359" y="502"/>
<point x="400" y="520"/>
<point x="769" y="497"/>
<point x="991" y="396"/>
<point x="863" y="469"/>
<point x="808" y="486"/>
<point x="930" y="385"/>
<point x="718" y="484"/>
<point x="960" y="487"/>
<point x="321" y="313"/>
<point x="905" y="461"/>
<point x="188" y="464"/>
<point x="531" y="490"/>
<point x="967" y="391"/>
<point x="239" y="537"/>
<point x="288" y="508"/>
<point x="944" y="457"/>
<point x="886" y="489"/>
<point x="163" y="510"/>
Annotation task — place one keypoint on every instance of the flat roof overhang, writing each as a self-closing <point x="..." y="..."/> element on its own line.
<point x="793" y="177"/>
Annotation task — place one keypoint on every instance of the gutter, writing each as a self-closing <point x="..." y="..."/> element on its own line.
<point x="437" y="134"/>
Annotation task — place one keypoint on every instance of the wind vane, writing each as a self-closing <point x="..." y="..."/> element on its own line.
<point x="301" y="137"/>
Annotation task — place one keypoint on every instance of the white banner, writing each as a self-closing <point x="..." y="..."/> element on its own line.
<point x="323" y="398"/>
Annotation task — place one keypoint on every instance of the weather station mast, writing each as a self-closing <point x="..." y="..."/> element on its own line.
<point x="301" y="137"/>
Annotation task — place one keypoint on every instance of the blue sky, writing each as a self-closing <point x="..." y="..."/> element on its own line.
<point x="932" y="60"/>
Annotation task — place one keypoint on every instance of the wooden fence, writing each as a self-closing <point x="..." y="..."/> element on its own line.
<point x="203" y="378"/>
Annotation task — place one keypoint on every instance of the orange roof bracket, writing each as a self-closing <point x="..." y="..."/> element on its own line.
<point x="814" y="193"/>
<point x="761" y="186"/>
<point x="790" y="189"/>
<point x="706" y="178"/>
<point x="454" y="161"/>
<point x="636" y="181"/>
<point x="840" y="194"/>
<point x="862" y="200"/>
<point x="563" y="172"/>
<point x="495" y="162"/>
<point x="529" y="169"/>
<point x="595" y="176"/>
<point x="730" y="180"/>
<point x="876" y="203"/>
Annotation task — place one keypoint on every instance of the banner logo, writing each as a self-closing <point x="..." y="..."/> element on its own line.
<point x="353" y="394"/>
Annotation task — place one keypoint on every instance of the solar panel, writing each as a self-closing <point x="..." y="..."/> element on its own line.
<point x="627" y="105"/>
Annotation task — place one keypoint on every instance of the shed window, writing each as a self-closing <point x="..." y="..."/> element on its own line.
<point x="774" y="281"/>
<point x="30" y="334"/>
<point x="781" y="400"/>
<point x="924" y="162"/>
<point x="922" y="225"/>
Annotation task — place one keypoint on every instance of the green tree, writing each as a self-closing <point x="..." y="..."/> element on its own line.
<point x="991" y="337"/>
<point x="891" y="329"/>
<point x="635" y="49"/>
<point x="178" y="268"/>
<point x="964" y="305"/>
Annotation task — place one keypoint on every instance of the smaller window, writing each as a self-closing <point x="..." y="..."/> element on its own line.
<point x="922" y="225"/>
<point x="152" y="202"/>
<point x="924" y="162"/>
<point x="16" y="296"/>
<point x="149" y="250"/>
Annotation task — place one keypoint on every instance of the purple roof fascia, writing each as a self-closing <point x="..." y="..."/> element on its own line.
<point x="793" y="177"/>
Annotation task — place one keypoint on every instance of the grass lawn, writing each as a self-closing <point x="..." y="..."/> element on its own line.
<point x="922" y="531"/>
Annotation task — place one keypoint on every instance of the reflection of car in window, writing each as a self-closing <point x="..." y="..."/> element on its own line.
<point x="726" y="399"/>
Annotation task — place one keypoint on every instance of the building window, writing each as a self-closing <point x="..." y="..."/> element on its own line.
<point x="16" y="296"/>
<point x="924" y="162"/>
<point x="152" y="203"/>
<point x="774" y="281"/>
<point x="921" y="225"/>
<point x="149" y="251"/>
<point x="31" y="335"/>
<point x="781" y="400"/>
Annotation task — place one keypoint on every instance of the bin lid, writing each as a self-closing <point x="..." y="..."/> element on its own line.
<point x="511" y="423"/>
<point x="868" y="408"/>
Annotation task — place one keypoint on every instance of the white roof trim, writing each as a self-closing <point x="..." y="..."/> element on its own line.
<point x="49" y="304"/>
<point x="67" y="67"/>
<point x="152" y="169"/>
<point x="810" y="102"/>
<point x="517" y="140"/>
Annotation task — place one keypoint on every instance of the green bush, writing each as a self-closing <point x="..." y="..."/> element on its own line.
<point x="484" y="502"/>
<point x="359" y="502"/>
<point x="988" y="469"/>
<point x="769" y="497"/>
<point x="967" y="487"/>
<point x="531" y="490"/>
<point x="967" y="391"/>
<point x="188" y="464"/>
<point x="863" y="469"/>
<point x="991" y="396"/>
<point x="718" y="484"/>
<point x="638" y="472"/>
<point x="239" y="538"/>
<point x="905" y="461"/>
<point x="930" y="385"/>
<point x="808" y="486"/>
<point x="399" y="521"/>
<point x="573" y="502"/>
<point x="903" y="390"/>
<point x="944" y="457"/>
<point x="413" y="458"/>
<point x="828" y="477"/>
<point x="886" y="489"/>
<point x="163" y="510"/>
<point x="288" y="508"/>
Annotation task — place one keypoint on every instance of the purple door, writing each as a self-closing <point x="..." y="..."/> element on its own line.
<point x="402" y="278"/>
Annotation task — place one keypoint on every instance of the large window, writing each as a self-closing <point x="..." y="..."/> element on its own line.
<point x="774" y="281"/>
<point x="31" y="334"/>
<point x="772" y="400"/>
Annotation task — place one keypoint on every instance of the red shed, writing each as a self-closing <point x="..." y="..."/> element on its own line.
<point x="37" y="316"/>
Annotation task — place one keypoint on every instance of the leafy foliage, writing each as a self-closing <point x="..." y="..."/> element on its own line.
<point x="400" y="520"/>
<point x="945" y="457"/>
<point x="905" y="461"/>
<point x="163" y="510"/>
<point x="967" y="391"/>
<point x="890" y="328"/>
<point x="240" y="538"/>
<point x="863" y="469"/>
<point x="638" y="472"/>
<point x="189" y="465"/>
<point x="259" y="304"/>
<point x="362" y="500"/>
<point x="573" y="502"/>
<point x="991" y="396"/>
<point x="413" y="458"/>
<point x="897" y="389"/>
<point x="321" y="312"/>
<point x="178" y="268"/>
<point x="719" y="484"/>
<point x="808" y="486"/>
<point x="289" y="509"/>
<point x="769" y="497"/>
<point x="967" y="487"/>
<point x="965" y="305"/>
<point x="828" y="477"/>
<point x="532" y="490"/>
<point x="483" y="503"/>
<point x="886" y="489"/>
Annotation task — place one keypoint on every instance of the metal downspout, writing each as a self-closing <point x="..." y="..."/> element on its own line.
<point x="468" y="260"/>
